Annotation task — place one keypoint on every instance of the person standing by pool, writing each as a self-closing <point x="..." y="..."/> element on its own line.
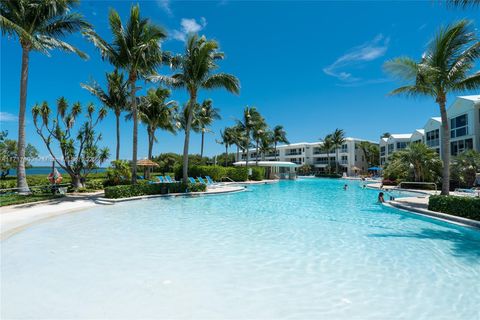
<point x="380" y="198"/>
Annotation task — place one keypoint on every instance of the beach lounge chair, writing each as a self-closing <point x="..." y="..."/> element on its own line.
<point x="191" y="180"/>
<point x="209" y="180"/>
<point x="161" y="179"/>
<point x="200" y="179"/>
<point x="472" y="191"/>
<point x="169" y="180"/>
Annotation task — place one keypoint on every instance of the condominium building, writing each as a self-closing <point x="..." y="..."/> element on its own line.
<point x="464" y="120"/>
<point x="350" y="157"/>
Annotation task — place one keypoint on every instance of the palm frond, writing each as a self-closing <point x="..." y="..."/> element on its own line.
<point x="222" y="80"/>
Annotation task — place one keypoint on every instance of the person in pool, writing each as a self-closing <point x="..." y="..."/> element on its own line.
<point x="380" y="198"/>
<point x="345" y="187"/>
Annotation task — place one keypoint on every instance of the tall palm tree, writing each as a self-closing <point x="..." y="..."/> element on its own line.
<point x="195" y="72"/>
<point x="444" y="68"/>
<point x="327" y="146"/>
<point x="115" y="98"/>
<point x="238" y="138"/>
<point x="251" y="118"/>
<point x="338" y="138"/>
<point x="206" y="115"/>
<point x="39" y="26"/>
<point x="258" y="132"/>
<point x="266" y="142"/>
<point x="227" y="139"/>
<point x="420" y="158"/>
<point x="156" y="113"/>
<point x="279" y="135"/>
<point x="136" y="49"/>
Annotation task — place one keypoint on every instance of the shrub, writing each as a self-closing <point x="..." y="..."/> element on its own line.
<point x="258" y="173"/>
<point x="418" y="186"/>
<point x="118" y="173"/>
<point x="141" y="189"/>
<point x="237" y="173"/>
<point x="465" y="207"/>
<point x="389" y="182"/>
<point x="94" y="184"/>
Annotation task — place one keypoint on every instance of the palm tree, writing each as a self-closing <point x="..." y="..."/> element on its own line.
<point x="227" y="136"/>
<point x="257" y="134"/>
<point x="444" y="68"/>
<point x="463" y="3"/>
<point x="421" y="159"/>
<point x="238" y="138"/>
<point x="196" y="67"/>
<point x="39" y="26"/>
<point x="136" y="49"/>
<point x="266" y="141"/>
<point x="251" y="118"/>
<point x="385" y="135"/>
<point x="156" y="113"/>
<point x="206" y="115"/>
<point x="279" y="135"/>
<point x="115" y="98"/>
<point x="327" y="146"/>
<point x="338" y="138"/>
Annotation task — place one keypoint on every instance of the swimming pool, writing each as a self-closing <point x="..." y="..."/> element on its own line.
<point x="293" y="250"/>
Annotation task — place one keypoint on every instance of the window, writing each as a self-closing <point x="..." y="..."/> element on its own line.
<point x="457" y="147"/>
<point x="382" y="151"/>
<point x="344" y="148"/>
<point x="459" y="126"/>
<point x="402" y="145"/>
<point x="344" y="160"/>
<point x="390" y="148"/>
<point x="433" y="138"/>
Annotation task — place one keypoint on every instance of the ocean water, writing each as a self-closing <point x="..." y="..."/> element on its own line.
<point x="294" y="250"/>
<point x="47" y="170"/>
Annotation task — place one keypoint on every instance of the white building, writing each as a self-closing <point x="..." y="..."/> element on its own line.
<point x="351" y="157"/>
<point x="464" y="120"/>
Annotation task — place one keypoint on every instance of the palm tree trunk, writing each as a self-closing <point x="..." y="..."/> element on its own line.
<point x="336" y="160"/>
<point x="275" y="150"/>
<point x="328" y="163"/>
<point x="256" y="155"/>
<point x="445" y="147"/>
<point x="226" y="155"/>
<point x="133" y="77"/>
<point x="117" y="115"/>
<point x="21" y="174"/>
<point x="193" y="101"/>
<point x="203" y="141"/>
<point x="247" y="146"/>
<point x="151" y="137"/>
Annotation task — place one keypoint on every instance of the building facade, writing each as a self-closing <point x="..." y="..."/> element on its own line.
<point x="464" y="126"/>
<point x="351" y="158"/>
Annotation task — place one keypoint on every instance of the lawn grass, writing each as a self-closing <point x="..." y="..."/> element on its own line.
<point x="10" y="199"/>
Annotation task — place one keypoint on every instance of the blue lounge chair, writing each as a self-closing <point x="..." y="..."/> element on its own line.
<point x="191" y="180"/>
<point x="169" y="180"/>
<point x="209" y="180"/>
<point x="161" y="179"/>
<point x="200" y="179"/>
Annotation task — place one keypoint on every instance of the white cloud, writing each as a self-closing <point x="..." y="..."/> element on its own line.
<point x="165" y="5"/>
<point x="366" y="52"/>
<point x="8" y="117"/>
<point x="189" y="26"/>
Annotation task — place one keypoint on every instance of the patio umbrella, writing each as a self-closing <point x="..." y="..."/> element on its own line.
<point x="374" y="169"/>
<point x="146" y="164"/>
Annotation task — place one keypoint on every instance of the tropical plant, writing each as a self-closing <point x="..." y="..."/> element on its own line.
<point x="266" y="142"/>
<point x="258" y="133"/>
<point x="227" y="139"/>
<point x="118" y="173"/>
<point x="136" y="49"/>
<point x="250" y="120"/>
<point x="463" y="3"/>
<point x="114" y="98"/>
<point x="279" y="135"/>
<point x="465" y="168"/>
<point x="444" y="68"/>
<point x="327" y="146"/>
<point x="195" y="72"/>
<point x="370" y="151"/>
<point x="206" y="115"/>
<point x="39" y="26"/>
<point x="418" y="158"/>
<point x="156" y="113"/>
<point x="80" y="153"/>
<point x="238" y="138"/>
<point x="385" y="135"/>
<point x="9" y="154"/>
<point x="338" y="139"/>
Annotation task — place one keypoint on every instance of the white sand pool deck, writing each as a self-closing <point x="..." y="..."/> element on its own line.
<point x="18" y="217"/>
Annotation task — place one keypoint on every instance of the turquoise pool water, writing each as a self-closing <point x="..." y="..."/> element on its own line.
<point x="293" y="250"/>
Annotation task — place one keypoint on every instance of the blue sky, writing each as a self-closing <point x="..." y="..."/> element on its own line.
<point x="310" y="66"/>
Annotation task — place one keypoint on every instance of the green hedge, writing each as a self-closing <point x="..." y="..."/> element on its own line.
<point x="237" y="173"/>
<point x="465" y="207"/>
<point x="258" y="173"/>
<point x="142" y="189"/>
